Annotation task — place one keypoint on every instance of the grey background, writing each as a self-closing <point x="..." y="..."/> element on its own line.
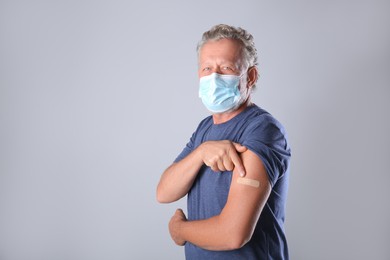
<point x="98" y="97"/>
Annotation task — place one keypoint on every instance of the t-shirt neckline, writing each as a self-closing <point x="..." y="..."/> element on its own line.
<point x="235" y="118"/>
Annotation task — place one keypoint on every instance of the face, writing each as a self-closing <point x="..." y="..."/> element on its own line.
<point x="222" y="57"/>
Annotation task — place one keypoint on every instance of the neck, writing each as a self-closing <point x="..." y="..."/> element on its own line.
<point x="224" y="117"/>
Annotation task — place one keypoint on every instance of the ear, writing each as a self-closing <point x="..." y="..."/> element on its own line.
<point x="252" y="76"/>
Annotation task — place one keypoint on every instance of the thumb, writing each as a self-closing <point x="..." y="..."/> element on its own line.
<point x="240" y="148"/>
<point x="179" y="212"/>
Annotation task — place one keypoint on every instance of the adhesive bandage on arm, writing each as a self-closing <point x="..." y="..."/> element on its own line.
<point x="249" y="182"/>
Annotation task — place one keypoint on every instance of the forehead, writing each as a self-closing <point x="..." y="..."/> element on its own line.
<point x="226" y="49"/>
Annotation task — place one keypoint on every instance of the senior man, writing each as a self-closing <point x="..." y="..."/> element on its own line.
<point x="234" y="169"/>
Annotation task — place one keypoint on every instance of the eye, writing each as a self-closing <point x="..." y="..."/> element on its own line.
<point x="206" y="68"/>
<point x="227" y="68"/>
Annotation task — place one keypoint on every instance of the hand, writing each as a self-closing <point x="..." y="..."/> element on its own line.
<point x="223" y="156"/>
<point x="174" y="227"/>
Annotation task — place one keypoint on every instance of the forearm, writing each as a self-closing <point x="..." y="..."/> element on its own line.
<point x="234" y="226"/>
<point x="211" y="234"/>
<point x="178" y="178"/>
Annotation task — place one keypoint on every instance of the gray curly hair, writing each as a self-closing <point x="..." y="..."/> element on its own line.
<point x="223" y="31"/>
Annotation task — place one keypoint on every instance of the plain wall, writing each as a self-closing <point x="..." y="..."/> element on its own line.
<point x="97" y="98"/>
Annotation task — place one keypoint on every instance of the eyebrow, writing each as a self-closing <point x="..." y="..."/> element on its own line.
<point x="222" y="63"/>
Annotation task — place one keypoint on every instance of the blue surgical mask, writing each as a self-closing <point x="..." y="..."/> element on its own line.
<point x="220" y="93"/>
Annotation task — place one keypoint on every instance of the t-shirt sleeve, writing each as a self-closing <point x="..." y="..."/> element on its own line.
<point x="187" y="149"/>
<point x="268" y="140"/>
<point x="193" y="143"/>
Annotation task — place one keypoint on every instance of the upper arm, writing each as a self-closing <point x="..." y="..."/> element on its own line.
<point x="245" y="202"/>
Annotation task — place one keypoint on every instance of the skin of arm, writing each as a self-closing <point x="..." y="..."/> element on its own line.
<point x="178" y="178"/>
<point x="234" y="226"/>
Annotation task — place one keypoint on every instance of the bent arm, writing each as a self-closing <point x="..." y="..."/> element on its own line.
<point x="234" y="227"/>
<point x="178" y="178"/>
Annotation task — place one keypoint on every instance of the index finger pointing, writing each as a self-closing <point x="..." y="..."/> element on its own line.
<point x="238" y="163"/>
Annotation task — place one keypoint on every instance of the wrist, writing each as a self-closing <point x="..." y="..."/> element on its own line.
<point x="199" y="151"/>
<point x="181" y="230"/>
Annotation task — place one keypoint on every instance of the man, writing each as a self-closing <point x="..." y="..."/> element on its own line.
<point x="234" y="169"/>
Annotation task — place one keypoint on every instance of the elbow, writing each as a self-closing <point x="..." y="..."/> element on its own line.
<point x="166" y="195"/>
<point x="161" y="197"/>
<point x="237" y="243"/>
<point x="237" y="240"/>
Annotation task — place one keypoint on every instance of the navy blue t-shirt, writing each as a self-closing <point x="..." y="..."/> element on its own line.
<point x="265" y="136"/>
